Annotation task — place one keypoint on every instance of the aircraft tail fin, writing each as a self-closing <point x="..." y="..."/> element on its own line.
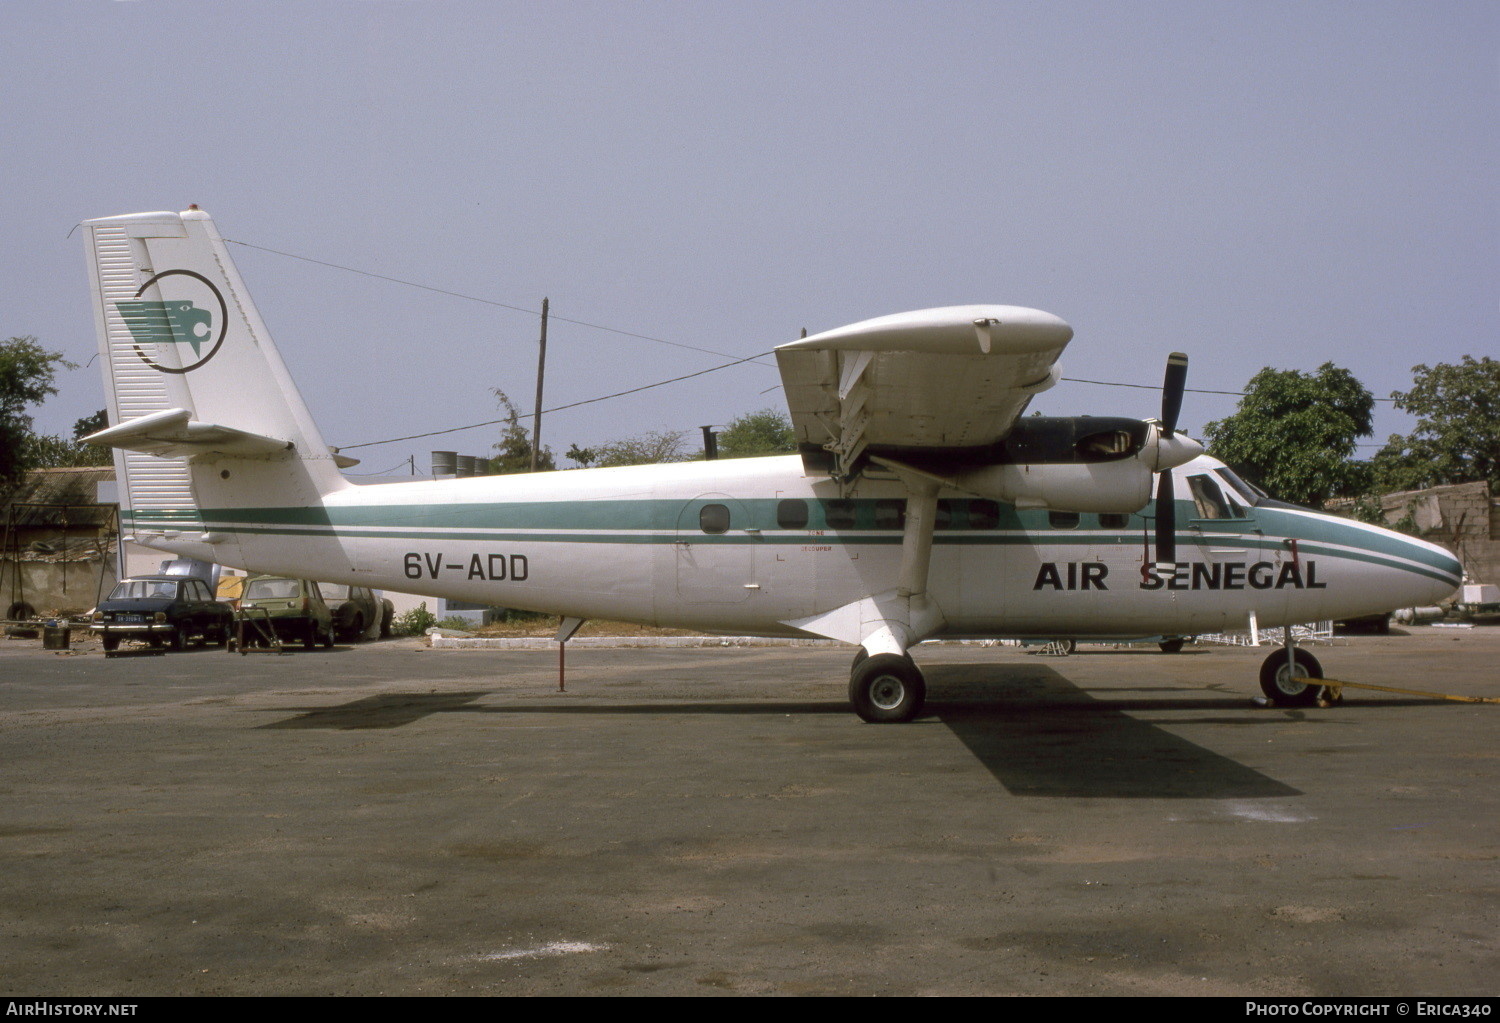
<point x="201" y="407"/>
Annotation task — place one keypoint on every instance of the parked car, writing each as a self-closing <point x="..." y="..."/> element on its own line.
<point x="294" y="608"/>
<point x="161" y="610"/>
<point x="355" y="609"/>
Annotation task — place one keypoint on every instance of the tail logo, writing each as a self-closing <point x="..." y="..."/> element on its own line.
<point x="184" y="315"/>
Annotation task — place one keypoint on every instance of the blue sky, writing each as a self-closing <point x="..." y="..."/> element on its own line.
<point x="1255" y="184"/>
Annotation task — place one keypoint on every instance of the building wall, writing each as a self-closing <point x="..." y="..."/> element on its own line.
<point x="1462" y="517"/>
<point x="53" y="586"/>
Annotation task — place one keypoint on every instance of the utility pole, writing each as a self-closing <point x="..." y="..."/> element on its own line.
<point x="536" y="417"/>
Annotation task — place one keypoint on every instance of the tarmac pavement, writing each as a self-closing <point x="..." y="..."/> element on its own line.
<point x="389" y="819"/>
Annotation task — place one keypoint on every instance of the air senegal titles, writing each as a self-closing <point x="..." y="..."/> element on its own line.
<point x="1185" y="575"/>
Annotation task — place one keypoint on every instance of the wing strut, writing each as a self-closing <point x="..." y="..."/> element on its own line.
<point x="896" y="619"/>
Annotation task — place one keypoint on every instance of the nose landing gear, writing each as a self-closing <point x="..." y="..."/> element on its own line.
<point x="1288" y="678"/>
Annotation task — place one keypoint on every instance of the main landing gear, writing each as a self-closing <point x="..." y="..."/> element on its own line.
<point x="886" y="688"/>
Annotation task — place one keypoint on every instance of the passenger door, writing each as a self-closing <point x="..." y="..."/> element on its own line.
<point x="716" y="551"/>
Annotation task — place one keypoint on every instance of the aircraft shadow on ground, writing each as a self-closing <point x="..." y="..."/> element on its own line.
<point x="1036" y="732"/>
<point x="1041" y="735"/>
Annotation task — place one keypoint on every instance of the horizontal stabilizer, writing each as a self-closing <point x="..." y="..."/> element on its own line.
<point x="173" y="433"/>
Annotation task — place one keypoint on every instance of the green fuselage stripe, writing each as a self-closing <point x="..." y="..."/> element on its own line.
<point x="652" y="522"/>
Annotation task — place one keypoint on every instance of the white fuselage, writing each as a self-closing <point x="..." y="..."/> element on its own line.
<point x="749" y="545"/>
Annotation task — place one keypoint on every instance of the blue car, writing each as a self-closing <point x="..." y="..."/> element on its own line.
<point x="161" y="610"/>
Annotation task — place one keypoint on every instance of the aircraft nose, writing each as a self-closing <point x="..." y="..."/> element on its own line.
<point x="1438" y="573"/>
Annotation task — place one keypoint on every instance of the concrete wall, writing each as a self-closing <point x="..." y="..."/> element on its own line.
<point x="1463" y="517"/>
<point x="54" y="586"/>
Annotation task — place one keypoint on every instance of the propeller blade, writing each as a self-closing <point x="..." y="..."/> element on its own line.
<point x="1166" y="520"/>
<point x="1171" y="391"/>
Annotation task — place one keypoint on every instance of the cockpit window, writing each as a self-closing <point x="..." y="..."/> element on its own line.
<point x="1208" y="498"/>
<point x="1249" y="491"/>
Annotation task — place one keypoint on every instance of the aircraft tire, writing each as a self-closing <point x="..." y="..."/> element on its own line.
<point x="1287" y="688"/>
<point x="1172" y="646"/>
<point x="887" y="688"/>
<point x="859" y="658"/>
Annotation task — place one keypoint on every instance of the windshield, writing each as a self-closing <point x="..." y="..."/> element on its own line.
<point x="135" y="589"/>
<point x="275" y="588"/>
<point x="1249" y="491"/>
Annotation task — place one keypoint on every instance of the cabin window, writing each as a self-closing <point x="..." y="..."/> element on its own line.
<point x="1062" y="519"/>
<point x="839" y="514"/>
<point x="984" y="514"/>
<point x="1111" y="520"/>
<point x="945" y="516"/>
<point x="890" y="513"/>
<point x="713" y="518"/>
<point x="1208" y="499"/>
<point x="791" y="514"/>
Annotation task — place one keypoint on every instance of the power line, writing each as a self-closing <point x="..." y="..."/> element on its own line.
<point x="559" y="408"/>
<point x="488" y="301"/>
<point x="1157" y="387"/>
<point x="612" y="330"/>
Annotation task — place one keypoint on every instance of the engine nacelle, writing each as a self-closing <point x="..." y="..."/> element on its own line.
<point x="1122" y="486"/>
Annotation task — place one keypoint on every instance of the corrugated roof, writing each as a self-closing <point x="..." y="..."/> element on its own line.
<point x="46" y="497"/>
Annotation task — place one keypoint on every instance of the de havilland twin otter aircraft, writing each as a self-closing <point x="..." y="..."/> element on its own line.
<point x="922" y="504"/>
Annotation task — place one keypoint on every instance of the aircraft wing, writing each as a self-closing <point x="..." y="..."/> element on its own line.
<point x="938" y="380"/>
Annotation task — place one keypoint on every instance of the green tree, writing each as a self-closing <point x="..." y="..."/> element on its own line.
<point x="582" y="457"/>
<point x="767" y="432"/>
<point x="1294" y="434"/>
<point x="47" y="451"/>
<point x="90" y="424"/>
<point x="1457" y="439"/>
<point x="647" y="449"/>
<point x="514" y="450"/>
<point x="26" y="374"/>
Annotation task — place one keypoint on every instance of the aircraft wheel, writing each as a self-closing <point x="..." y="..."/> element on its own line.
<point x="1287" y="687"/>
<point x="1172" y="646"/>
<point x="859" y="658"/>
<point x="887" y="688"/>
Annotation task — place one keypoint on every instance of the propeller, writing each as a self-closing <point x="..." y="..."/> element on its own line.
<point x="1172" y="388"/>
